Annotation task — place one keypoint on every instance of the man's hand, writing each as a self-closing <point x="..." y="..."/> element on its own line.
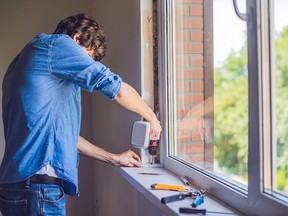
<point x="127" y="158"/>
<point x="155" y="129"/>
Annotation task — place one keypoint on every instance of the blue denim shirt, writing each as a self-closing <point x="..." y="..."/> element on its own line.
<point x="42" y="110"/>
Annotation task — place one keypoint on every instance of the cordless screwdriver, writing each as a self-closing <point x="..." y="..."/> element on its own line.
<point x="152" y="149"/>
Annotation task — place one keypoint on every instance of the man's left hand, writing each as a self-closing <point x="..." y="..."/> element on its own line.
<point x="128" y="158"/>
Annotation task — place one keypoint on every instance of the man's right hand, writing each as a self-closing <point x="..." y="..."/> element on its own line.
<point x="155" y="129"/>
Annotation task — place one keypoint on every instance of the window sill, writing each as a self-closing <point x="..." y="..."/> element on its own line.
<point x="142" y="183"/>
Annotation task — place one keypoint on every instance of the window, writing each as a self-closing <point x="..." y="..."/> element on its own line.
<point x="277" y="100"/>
<point x="224" y="98"/>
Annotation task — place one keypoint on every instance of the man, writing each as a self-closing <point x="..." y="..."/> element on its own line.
<point x="42" y="114"/>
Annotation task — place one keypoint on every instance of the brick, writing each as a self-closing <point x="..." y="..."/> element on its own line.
<point x="196" y="10"/>
<point x="197" y="35"/>
<point x="190" y="148"/>
<point x="196" y="61"/>
<point x="189" y="73"/>
<point x="197" y="158"/>
<point x="198" y="135"/>
<point x="189" y="123"/>
<point x="180" y="74"/>
<point x="183" y="36"/>
<point x="189" y="1"/>
<point x="182" y="61"/>
<point x="189" y="48"/>
<point x="183" y="86"/>
<point x="197" y="86"/>
<point x="182" y="10"/>
<point x="182" y="112"/>
<point x="196" y="111"/>
<point x="189" y="23"/>
<point x="184" y="99"/>
<point x="184" y="136"/>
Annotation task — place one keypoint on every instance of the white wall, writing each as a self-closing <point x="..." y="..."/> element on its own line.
<point x="112" y="124"/>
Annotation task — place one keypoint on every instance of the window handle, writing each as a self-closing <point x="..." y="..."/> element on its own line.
<point x="242" y="16"/>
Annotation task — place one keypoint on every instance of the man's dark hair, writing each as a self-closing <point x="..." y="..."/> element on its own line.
<point x="91" y="34"/>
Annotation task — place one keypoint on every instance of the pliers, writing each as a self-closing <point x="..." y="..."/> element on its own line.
<point x="182" y="196"/>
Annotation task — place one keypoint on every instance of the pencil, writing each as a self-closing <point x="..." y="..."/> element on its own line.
<point x="149" y="173"/>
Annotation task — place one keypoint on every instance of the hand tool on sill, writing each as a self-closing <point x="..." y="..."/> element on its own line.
<point x="192" y="211"/>
<point x="197" y="196"/>
<point x="177" y="197"/>
<point x="185" y="181"/>
<point x="202" y="211"/>
<point x="170" y="187"/>
<point x="198" y="200"/>
<point x="173" y="187"/>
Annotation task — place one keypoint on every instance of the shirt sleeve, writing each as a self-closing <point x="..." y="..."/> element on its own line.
<point x="70" y="62"/>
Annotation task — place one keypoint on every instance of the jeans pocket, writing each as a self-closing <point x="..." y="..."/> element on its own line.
<point x="13" y="207"/>
<point x="53" y="200"/>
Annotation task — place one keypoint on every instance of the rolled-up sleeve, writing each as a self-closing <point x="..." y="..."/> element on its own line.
<point x="68" y="61"/>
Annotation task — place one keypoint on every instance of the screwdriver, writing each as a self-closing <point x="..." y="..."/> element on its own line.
<point x="202" y="211"/>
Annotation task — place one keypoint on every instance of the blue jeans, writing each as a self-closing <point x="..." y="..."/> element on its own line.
<point x="32" y="199"/>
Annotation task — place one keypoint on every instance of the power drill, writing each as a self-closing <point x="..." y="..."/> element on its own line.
<point x="152" y="149"/>
<point x="140" y="138"/>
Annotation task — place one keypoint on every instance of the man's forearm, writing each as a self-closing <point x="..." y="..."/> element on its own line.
<point x="127" y="158"/>
<point x="131" y="100"/>
<point x="88" y="149"/>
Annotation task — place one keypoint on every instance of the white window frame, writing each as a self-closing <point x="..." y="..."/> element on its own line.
<point x="254" y="200"/>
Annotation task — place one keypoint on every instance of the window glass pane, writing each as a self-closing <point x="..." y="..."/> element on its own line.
<point x="230" y="92"/>
<point x="280" y="68"/>
<point x="211" y="88"/>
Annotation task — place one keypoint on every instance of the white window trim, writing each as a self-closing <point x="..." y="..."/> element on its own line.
<point x="255" y="201"/>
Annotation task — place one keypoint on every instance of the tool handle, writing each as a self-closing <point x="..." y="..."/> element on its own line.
<point x="198" y="201"/>
<point x="173" y="198"/>
<point x="169" y="187"/>
<point x="192" y="210"/>
<point x="153" y="146"/>
<point x="184" y="180"/>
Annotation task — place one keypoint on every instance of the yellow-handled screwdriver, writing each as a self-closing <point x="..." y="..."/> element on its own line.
<point x="169" y="187"/>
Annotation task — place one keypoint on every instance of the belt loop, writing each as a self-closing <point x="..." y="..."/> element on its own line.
<point x="27" y="183"/>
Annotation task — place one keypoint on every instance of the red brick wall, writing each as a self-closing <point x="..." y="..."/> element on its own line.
<point x="189" y="21"/>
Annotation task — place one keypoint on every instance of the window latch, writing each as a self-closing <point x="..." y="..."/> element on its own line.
<point x="242" y="16"/>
